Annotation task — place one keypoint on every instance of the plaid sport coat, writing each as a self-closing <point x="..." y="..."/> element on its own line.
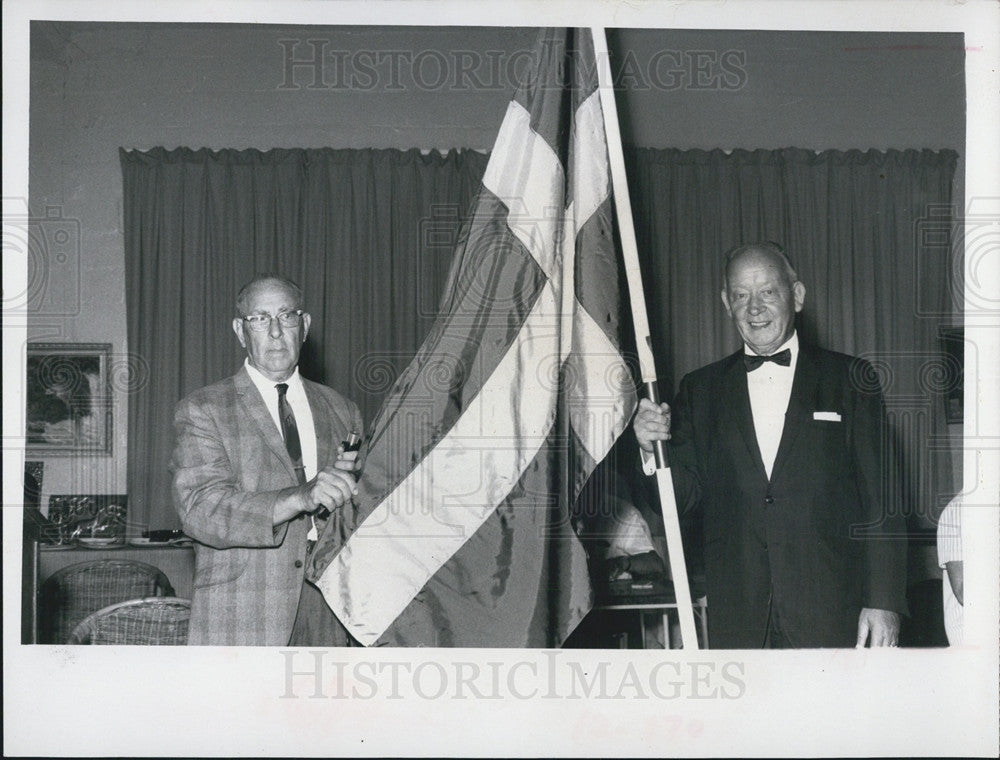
<point x="229" y="463"/>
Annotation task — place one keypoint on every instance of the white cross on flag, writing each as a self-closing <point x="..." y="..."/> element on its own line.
<point x="461" y="534"/>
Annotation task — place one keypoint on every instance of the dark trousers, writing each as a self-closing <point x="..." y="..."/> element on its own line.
<point x="775" y="638"/>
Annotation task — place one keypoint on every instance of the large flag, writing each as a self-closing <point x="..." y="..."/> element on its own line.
<point x="462" y="533"/>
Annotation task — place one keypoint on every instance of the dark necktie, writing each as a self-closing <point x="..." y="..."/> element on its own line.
<point x="752" y="361"/>
<point x="290" y="431"/>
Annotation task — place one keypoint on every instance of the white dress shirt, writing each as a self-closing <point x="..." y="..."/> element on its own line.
<point x="297" y="399"/>
<point x="949" y="549"/>
<point x="770" y="388"/>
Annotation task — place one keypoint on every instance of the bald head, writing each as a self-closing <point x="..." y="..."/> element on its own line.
<point x="260" y="281"/>
<point x="274" y="339"/>
<point x="762" y="294"/>
<point x="765" y="249"/>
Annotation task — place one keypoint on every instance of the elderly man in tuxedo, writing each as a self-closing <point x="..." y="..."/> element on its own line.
<point x="780" y="446"/>
<point x="257" y="460"/>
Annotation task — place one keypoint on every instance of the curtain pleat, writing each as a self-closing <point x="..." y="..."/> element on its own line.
<point x="369" y="234"/>
<point x="364" y="232"/>
<point x="855" y="226"/>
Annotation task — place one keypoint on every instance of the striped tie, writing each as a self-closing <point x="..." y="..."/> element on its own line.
<point x="290" y="432"/>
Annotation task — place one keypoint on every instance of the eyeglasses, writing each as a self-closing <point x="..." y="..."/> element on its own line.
<point x="262" y="322"/>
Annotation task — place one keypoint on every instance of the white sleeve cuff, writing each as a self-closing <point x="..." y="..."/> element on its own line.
<point x="949" y="534"/>
<point x="648" y="463"/>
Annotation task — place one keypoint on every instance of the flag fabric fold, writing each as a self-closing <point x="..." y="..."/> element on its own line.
<point x="461" y="532"/>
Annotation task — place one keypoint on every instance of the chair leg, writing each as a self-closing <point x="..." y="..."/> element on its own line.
<point x="703" y="624"/>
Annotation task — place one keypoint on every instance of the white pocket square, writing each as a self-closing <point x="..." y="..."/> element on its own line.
<point x="826" y="416"/>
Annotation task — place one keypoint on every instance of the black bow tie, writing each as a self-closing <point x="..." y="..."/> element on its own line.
<point x="752" y="361"/>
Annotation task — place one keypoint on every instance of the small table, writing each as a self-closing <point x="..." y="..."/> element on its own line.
<point x="662" y="604"/>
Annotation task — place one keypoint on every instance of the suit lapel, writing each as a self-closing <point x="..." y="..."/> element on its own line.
<point x="330" y="428"/>
<point x="330" y="425"/>
<point x="253" y="406"/>
<point x="323" y="424"/>
<point x="736" y="393"/>
<point x="799" y="405"/>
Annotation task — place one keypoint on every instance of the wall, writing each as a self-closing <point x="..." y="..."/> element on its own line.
<point x="96" y="87"/>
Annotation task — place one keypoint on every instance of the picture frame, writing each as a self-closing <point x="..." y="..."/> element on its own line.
<point x="69" y="410"/>
<point x="93" y="517"/>
<point x="953" y="347"/>
<point x="34" y="472"/>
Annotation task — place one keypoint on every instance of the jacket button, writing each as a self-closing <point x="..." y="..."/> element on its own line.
<point x="298" y="563"/>
<point x="769" y="499"/>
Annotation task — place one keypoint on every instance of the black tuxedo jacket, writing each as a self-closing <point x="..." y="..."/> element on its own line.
<point x="817" y="541"/>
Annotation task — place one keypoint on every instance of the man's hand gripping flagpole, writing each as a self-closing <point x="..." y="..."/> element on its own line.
<point x="623" y="211"/>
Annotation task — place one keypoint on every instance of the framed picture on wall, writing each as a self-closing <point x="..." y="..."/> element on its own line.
<point x="68" y="399"/>
<point x="953" y="347"/>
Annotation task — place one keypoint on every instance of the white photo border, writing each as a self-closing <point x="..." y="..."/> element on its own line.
<point x="207" y="701"/>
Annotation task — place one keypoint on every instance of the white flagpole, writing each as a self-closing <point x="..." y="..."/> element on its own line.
<point x="630" y="251"/>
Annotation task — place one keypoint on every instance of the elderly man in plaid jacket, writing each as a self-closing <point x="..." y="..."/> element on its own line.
<point x="257" y="456"/>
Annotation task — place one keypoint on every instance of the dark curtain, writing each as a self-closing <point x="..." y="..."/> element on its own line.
<point x="864" y="231"/>
<point x="369" y="236"/>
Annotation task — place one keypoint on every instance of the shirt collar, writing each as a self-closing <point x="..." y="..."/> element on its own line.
<point x="264" y="385"/>
<point x="792" y="344"/>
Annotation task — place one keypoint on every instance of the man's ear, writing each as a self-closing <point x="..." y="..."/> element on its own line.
<point x="238" y="328"/>
<point x="725" y="302"/>
<point x="306" y="321"/>
<point x="799" y="295"/>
